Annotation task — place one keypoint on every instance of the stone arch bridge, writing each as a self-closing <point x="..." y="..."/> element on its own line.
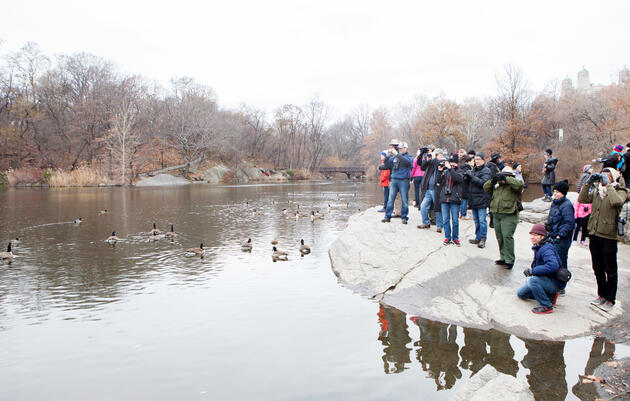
<point x="349" y="171"/>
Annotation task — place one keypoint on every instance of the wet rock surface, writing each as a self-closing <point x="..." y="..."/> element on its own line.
<point x="411" y="270"/>
<point x="489" y="384"/>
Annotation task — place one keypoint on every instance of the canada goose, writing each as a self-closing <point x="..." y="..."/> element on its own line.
<point x="247" y="246"/>
<point x="304" y="249"/>
<point x="274" y="241"/>
<point x="155" y="231"/>
<point x="171" y="234"/>
<point x="15" y="241"/>
<point x="316" y="216"/>
<point x="103" y="212"/>
<point x="256" y="212"/>
<point x="279" y="255"/>
<point x="329" y="207"/>
<point x="8" y="255"/>
<point x="112" y="238"/>
<point x="195" y="251"/>
<point x="285" y="212"/>
<point x="347" y="204"/>
<point x="297" y="216"/>
<point x="78" y="221"/>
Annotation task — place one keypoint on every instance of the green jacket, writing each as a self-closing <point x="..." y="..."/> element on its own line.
<point x="505" y="198"/>
<point x="603" y="219"/>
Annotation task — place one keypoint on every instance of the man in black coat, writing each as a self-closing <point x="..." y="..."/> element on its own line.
<point x="466" y="164"/>
<point x="626" y="173"/>
<point x="431" y="191"/>
<point x="478" y="199"/>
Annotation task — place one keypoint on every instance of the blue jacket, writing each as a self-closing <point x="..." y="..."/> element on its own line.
<point x="400" y="165"/>
<point x="561" y="218"/>
<point x="546" y="262"/>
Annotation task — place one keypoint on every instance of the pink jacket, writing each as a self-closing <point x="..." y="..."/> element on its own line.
<point x="416" y="171"/>
<point x="582" y="209"/>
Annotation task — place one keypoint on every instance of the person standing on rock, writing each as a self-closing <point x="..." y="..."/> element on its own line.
<point x="466" y="164"/>
<point x="430" y="191"/>
<point x="506" y="193"/>
<point x="561" y="221"/>
<point x="549" y="174"/>
<point x="541" y="283"/>
<point x="416" y="176"/>
<point x="607" y="197"/>
<point x="451" y="181"/>
<point x="384" y="181"/>
<point x="478" y="199"/>
<point x="400" y="163"/>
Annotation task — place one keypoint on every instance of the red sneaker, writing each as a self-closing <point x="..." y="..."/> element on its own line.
<point x="456" y="242"/>
<point x="555" y="298"/>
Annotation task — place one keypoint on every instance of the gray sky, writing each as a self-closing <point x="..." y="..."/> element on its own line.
<point x="269" y="53"/>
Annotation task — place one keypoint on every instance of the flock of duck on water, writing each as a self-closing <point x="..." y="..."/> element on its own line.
<point x="247" y="246"/>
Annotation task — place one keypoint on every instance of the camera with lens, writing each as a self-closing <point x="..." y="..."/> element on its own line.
<point x="620" y="223"/>
<point x="447" y="191"/>
<point x="442" y="163"/>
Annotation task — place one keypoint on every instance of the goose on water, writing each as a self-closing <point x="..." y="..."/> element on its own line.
<point x="190" y="252"/>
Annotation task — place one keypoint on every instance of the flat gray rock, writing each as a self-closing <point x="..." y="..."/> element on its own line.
<point x="410" y="269"/>
<point x="488" y="384"/>
<point x="162" y="180"/>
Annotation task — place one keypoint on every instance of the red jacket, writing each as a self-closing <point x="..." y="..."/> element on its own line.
<point x="385" y="178"/>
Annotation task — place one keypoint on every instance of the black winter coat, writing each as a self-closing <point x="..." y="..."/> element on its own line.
<point x="549" y="171"/>
<point x="477" y="197"/>
<point x="561" y="218"/>
<point x="428" y="166"/>
<point x="466" y="184"/>
<point x="451" y="183"/>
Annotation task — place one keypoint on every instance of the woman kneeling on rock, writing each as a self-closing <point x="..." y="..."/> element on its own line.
<point x="541" y="283"/>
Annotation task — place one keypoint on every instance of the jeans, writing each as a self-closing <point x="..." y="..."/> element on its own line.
<point x="580" y="224"/>
<point x="481" y="224"/>
<point x="450" y="212"/>
<point x="547" y="190"/>
<point x="397" y="185"/>
<point x="604" y="259"/>
<point x="417" y="181"/>
<point x="504" y="227"/>
<point x="386" y="197"/>
<point x="464" y="208"/>
<point x="540" y="288"/>
<point x="562" y="246"/>
<point x="427" y="202"/>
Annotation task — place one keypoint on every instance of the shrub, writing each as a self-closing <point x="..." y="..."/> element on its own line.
<point x="78" y="177"/>
<point x="290" y="173"/>
<point x="25" y="175"/>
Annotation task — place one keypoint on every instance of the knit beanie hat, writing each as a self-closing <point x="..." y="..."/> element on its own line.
<point x="482" y="155"/>
<point x="383" y="154"/>
<point x="538" y="229"/>
<point x="628" y="145"/>
<point x="495" y="156"/>
<point x="454" y="158"/>
<point x="618" y="148"/>
<point x="587" y="168"/>
<point x="515" y="166"/>
<point x="562" y="186"/>
<point x="472" y="152"/>
<point x="549" y="152"/>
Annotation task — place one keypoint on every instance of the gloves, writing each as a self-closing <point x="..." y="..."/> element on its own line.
<point x="605" y="179"/>
<point x="494" y="180"/>
<point x="424" y="150"/>
<point x="594" y="178"/>
<point x="527" y="272"/>
<point x="468" y="173"/>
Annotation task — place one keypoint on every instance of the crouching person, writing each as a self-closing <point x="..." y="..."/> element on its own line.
<point x="541" y="283"/>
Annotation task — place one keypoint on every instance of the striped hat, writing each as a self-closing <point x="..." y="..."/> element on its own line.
<point x="618" y="148"/>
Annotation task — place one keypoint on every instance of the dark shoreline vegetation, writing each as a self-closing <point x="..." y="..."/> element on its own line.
<point x="76" y="120"/>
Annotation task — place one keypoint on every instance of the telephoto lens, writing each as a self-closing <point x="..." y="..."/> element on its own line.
<point x="620" y="223"/>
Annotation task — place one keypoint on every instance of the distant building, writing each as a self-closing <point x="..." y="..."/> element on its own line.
<point x="584" y="85"/>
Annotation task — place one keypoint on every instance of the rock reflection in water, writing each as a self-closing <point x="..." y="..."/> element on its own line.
<point x="601" y="351"/>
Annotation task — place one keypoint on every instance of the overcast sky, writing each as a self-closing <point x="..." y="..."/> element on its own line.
<point x="269" y="53"/>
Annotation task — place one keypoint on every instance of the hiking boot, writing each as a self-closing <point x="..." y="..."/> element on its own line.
<point x="421" y="226"/>
<point x="385" y="220"/>
<point x="439" y="229"/>
<point x="606" y="306"/>
<point x="555" y="299"/>
<point x="456" y="242"/>
<point x="446" y="242"/>
<point x="542" y="309"/>
<point x="404" y="221"/>
<point x="499" y="262"/>
<point x="473" y="241"/>
<point x="509" y="265"/>
<point x="482" y="243"/>
<point x="598" y="301"/>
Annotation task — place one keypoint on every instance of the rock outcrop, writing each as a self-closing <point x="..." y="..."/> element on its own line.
<point x="162" y="180"/>
<point x="215" y="174"/>
<point x="411" y="270"/>
<point x="489" y="384"/>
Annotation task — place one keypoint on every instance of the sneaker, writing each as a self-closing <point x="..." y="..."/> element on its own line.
<point x="473" y="241"/>
<point x="446" y="241"/>
<point x="509" y="265"/>
<point x="465" y="218"/>
<point x="562" y="292"/>
<point x="606" y="306"/>
<point x="385" y="220"/>
<point x="575" y="241"/>
<point x="583" y="243"/>
<point x="421" y="226"/>
<point x="542" y="309"/>
<point x="404" y="221"/>
<point x="499" y="262"/>
<point x="482" y="243"/>
<point x="381" y="210"/>
<point x="456" y="242"/>
<point x="598" y="301"/>
<point x="439" y="229"/>
<point x="555" y="299"/>
<point x="491" y="224"/>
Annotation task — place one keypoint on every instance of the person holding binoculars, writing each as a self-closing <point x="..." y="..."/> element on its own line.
<point x="607" y="197"/>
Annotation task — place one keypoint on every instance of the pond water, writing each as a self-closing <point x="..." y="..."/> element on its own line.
<point x="81" y="319"/>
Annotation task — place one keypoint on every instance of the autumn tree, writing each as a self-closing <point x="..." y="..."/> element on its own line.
<point x="442" y="123"/>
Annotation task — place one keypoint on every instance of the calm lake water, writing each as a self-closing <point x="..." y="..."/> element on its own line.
<point x="80" y="319"/>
